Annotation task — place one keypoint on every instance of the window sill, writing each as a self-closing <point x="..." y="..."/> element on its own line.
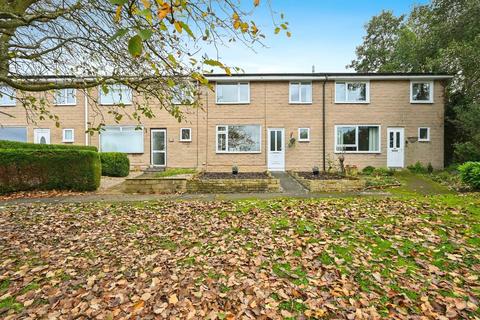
<point x="233" y="103"/>
<point x="238" y="152"/>
<point x="358" y="152"/>
<point x="68" y="142"/>
<point x="421" y="102"/>
<point x="423" y="140"/>
<point x="116" y="104"/>
<point x="300" y="103"/>
<point x="303" y="140"/>
<point x="348" y="102"/>
<point x="185" y="140"/>
<point x="8" y="105"/>
<point x="65" y="105"/>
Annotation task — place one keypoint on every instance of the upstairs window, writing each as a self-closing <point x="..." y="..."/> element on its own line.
<point x="421" y="92"/>
<point x="7" y="97"/>
<point x="233" y="92"/>
<point x="300" y="92"/>
<point x="183" y="95"/>
<point x="352" y="92"/>
<point x="357" y="138"/>
<point x="238" y="139"/>
<point x="65" y="97"/>
<point x="116" y="94"/>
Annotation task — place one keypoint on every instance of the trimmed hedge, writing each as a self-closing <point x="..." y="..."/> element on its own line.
<point x="61" y="169"/>
<point x="115" y="164"/>
<point x="5" y="144"/>
<point x="470" y="174"/>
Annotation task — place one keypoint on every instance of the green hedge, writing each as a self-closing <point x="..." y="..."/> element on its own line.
<point x="470" y="174"/>
<point x="115" y="164"/>
<point x="61" y="169"/>
<point x="4" y="144"/>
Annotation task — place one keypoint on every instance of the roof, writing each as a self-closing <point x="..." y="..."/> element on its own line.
<point x="328" y="76"/>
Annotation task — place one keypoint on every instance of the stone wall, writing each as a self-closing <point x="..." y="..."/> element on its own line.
<point x="340" y="185"/>
<point x="156" y="185"/>
<point x="233" y="185"/>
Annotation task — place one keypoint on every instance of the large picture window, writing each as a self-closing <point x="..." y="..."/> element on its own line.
<point x="233" y="92"/>
<point x="128" y="139"/>
<point x="300" y="92"/>
<point x="421" y="92"/>
<point x="13" y="134"/>
<point x="353" y="138"/>
<point x="117" y="94"/>
<point x="238" y="139"/>
<point x="7" y="97"/>
<point x="352" y="92"/>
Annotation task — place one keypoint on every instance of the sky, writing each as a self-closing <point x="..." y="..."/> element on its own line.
<point x="325" y="33"/>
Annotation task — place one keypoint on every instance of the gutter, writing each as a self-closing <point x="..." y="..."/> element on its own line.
<point x="324" y="122"/>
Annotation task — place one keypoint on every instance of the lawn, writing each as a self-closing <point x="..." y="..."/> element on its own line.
<point x="357" y="258"/>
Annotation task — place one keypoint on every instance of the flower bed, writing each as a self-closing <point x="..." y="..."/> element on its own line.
<point x="328" y="182"/>
<point x="224" y="182"/>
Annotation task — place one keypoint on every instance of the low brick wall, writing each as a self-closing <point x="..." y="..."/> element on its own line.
<point x="156" y="185"/>
<point x="340" y="185"/>
<point x="198" y="185"/>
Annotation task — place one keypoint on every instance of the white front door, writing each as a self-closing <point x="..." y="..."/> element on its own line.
<point x="396" y="147"/>
<point x="276" y="149"/>
<point x="41" y="136"/>
<point x="159" y="147"/>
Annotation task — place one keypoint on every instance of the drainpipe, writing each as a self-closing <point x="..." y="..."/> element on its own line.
<point x="323" y="122"/>
<point x="86" y="115"/>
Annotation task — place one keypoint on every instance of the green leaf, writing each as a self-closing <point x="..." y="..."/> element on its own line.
<point x="186" y="27"/>
<point x="119" y="34"/>
<point x="277" y="30"/>
<point x="118" y="2"/>
<point x="213" y="63"/>
<point x="135" y="46"/>
<point x="145" y="34"/>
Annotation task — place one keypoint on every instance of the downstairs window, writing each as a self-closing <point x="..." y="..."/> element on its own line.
<point x="357" y="138"/>
<point x="127" y="139"/>
<point x="238" y="139"/>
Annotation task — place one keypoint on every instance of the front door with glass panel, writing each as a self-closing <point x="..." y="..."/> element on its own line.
<point x="276" y="149"/>
<point x="41" y="136"/>
<point x="396" y="148"/>
<point x="159" y="147"/>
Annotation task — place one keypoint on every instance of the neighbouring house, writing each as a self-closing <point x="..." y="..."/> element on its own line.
<point x="260" y="122"/>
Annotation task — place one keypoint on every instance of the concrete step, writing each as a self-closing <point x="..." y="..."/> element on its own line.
<point x="154" y="169"/>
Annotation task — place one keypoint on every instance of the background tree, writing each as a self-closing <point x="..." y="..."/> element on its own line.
<point x="153" y="46"/>
<point x="443" y="36"/>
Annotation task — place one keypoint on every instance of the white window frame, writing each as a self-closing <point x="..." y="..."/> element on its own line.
<point x="14" y="100"/>
<point x="356" y="138"/>
<point x="226" y="140"/>
<point x="185" y="140"/>
<point x="428" y="134"/>
<point x="65" y="104"/>
<point x="102" y="93"/>
<point x="142" y="129"/>
<point x="367" y="92"/>
<point x="238" y="92"/>
<point x="432" y="90"/>
<point x="290" y="101"/>
<point x="19" y="127"/>
<point x="303" y="140"/>
<point x="64" y="139"/>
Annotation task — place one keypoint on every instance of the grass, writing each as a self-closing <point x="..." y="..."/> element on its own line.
<point x="174" y="172"/>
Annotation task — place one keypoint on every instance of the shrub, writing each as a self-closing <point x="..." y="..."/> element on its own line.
<point x="418" y="167"/>
<point x="61" y="169"/>
<point x="383" y="172"/>
<point x="368" y="170"/>
<point x="470" y="174"/>
<point x="115" y="164"/>
<point x="430" y="168"/>
<point x="4" y="144"/>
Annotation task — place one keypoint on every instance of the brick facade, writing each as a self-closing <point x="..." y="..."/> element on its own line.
<point x="269" y="107"/>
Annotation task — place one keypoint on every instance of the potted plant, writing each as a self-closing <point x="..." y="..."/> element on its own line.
<point x="315" y="171"/>
<point x="234" y="169"/>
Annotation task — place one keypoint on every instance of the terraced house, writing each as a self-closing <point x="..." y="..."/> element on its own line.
<point x="260" y="122"/>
